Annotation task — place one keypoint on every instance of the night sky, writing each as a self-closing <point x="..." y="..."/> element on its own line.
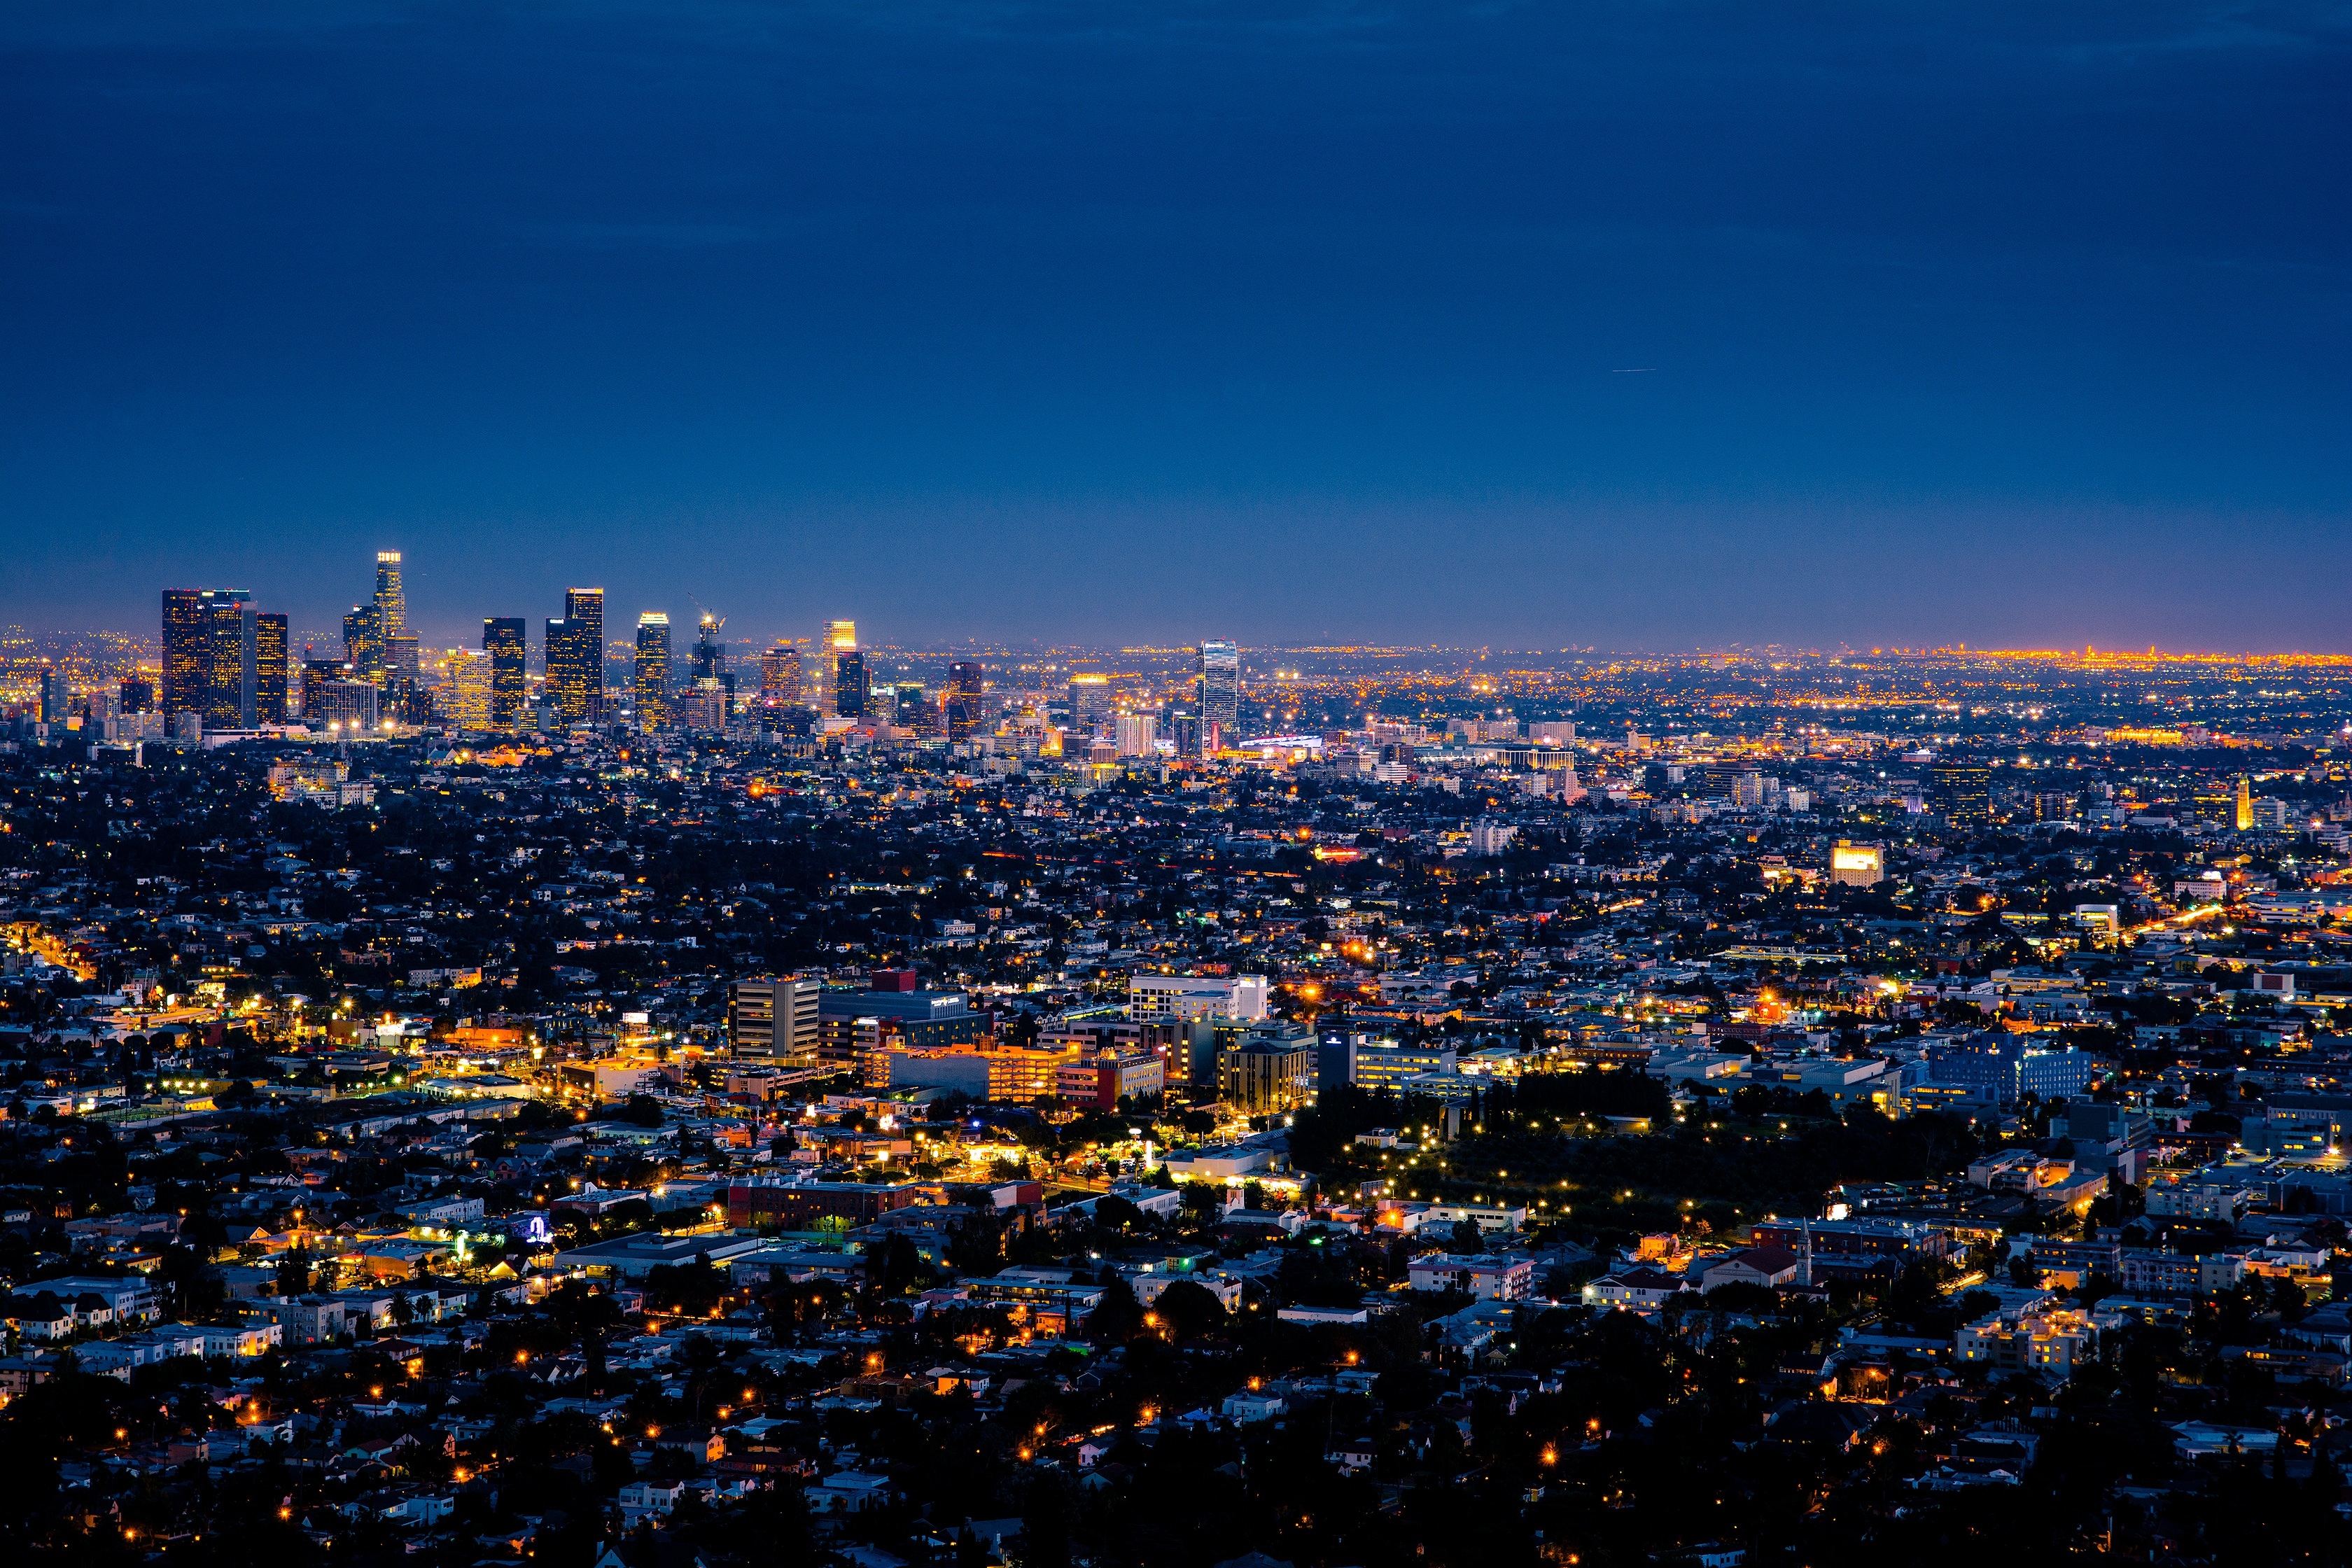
<point x="1641" y="325"/>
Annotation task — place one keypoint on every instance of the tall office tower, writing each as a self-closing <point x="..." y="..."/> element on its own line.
<point x="363" y="642"/>
<point x="587" y="607"/>
<point x="775" y="1019"/>
<point x="403" y="663"/>
<point x="837" y="638"/>
<point x="232" y="674"/>
<point x="966" y="710"/>
<point x="391" y="601"/>
<point x="780" y="677"/>
<point x="914" y="712"/>
<point x="1138" y="735"/>
<point x="503" y="640"/>
<point x="53" y="694"/>
<point x="1184" y="733"/>
<point x="269" y="670"/>
<point x="187" y="652"/>
<point x="138" y="696"/>
<point x="1089" y="702"/>
<point x="575" y="658"/>
<point x="316" y="674"/>
<point x="462" y="688"/>
<point x="1963" y="792"/>
<point x="1221" y="686"/>
<point x="2245" y="817"/>
<point x="652" y="687"/>
<point x="849" y="685"/>
<point x="709" y="653"/>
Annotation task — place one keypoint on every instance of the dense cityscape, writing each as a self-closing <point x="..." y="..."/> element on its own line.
<point x="607" y="1099"/>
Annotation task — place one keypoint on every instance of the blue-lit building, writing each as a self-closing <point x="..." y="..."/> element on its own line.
<point x="2009" y="1068"/>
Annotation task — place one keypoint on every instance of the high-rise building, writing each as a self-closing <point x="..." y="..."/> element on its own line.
<point x="269" y="670"/>
<point x="652" y="688"/>
<point x="463" y="687"/>
<point x="913" y="711"/>
<point x="403" y="661"/>
<point x="1963" y="792"/>
<point x="503" y="640"/>
<point x="316" y="674"/>
<point x="2245" y="813"/>
<point x="966" y="713"/>
<point x="837" y="638"/>
<point x="1857" y="865"/>
<point x="363" y="642"/>
<point x="1221" y="686"/>
<point x="390" y="600"/>
<point x="709" y="653"/>
<point x="1089" y="702"/>
<point x="52" y="694"/>
<point x="849" y="685"/>
<point x="137" y="696"/>
<point x="575" y="658"/>
<point x="233" y="674"/>
<point x="775" y="1020"/>
<point x="1138" y="735"/>
<point x="780" y="677"/>
<point x="187" y="652"/>
<point x="349" y="707"/>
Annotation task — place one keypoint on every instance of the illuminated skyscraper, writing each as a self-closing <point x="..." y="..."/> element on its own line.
<point x="780" y="677"/>
<point x="403" y="661"/>
<point x="652" y="687"/>
<point x="53" y="694"/>
<point x="837" y="638"/>
<point x="1089" y="702"/>
<point x="709" y="653"/>
<point x="269" y="670"/>
<point x="363" y="642"/>
<point x="1221" y="686"/>
<point x="390" y="600"/>
<point x="1963" y="792"/>
<point x="503" y="640"/>
<point x="849" y="685"/>
<point x="966" y="710"/>
<point x="575" y="658"/>
<point x="187" y="652"/>
<point x="915" y="711"/>
<point x="232" y="674"/>
<point x="2245" y="817"/>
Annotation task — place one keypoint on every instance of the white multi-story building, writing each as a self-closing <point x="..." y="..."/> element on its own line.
<point x="1190" y="998"/>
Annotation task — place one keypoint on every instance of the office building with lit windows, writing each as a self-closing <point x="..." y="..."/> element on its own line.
<point x="269" y="670"/>
<point x="1221" y="686"/>
<point x="780" y="677"/>
<point x="849" y="685"/>
<point x="575" y="658"/>
<point x="390" y="598"/>
<point x="964" y="708"/>
<point x="1964" y="792"/>
<point x="231" y="685"/>
<point x="651" y="689"/>
<point x="187" y="652"/>
<point x="363" y="642"/>
<point x="504" y="641"/>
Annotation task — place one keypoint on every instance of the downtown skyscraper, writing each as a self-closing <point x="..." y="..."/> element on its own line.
<point x="575" y="658"/>
<point x="504" y="643"/>
<point x="651" y="690"/>
<point x="1220" y="692"/>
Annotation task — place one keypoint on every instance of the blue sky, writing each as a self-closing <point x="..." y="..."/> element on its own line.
<point x="1634" y="324"/>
